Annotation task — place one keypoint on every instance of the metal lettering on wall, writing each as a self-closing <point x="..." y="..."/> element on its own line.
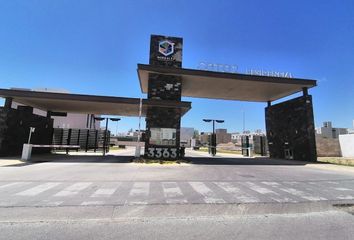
<point x="165" y="153"/>
<point x="269" y="73"/>
<point x="216" y="67"/>
<point x="233" y="68"/>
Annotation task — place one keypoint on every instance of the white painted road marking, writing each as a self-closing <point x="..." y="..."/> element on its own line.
<point x="345" y="197"/>
<point x="50" y="203"/>
<point x="171" y="190"/>
<point x="259" y="189"/>
<point x="271" y="183"/>
<point x="343" y="189"/>
<point x="73" y="189"/>
<point x="14" y="184"/>
<point x="236" y="192"/>
<point x="140" y="189"/>
<point x="208" y="194"/>
<point x="301" y="194"/>
<point x="104" y="192"/>
<point x="87" y="203"/>
<point x="139" y="192"/>
<point x="38" y="189"/>
<point x="173" y="193"/>
<point x="271" y="194"/>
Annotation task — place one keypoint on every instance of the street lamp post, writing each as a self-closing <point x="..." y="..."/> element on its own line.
<point x="114" y="120"/>
<point x="212" y="143"/>
<point x="106" y="129"/>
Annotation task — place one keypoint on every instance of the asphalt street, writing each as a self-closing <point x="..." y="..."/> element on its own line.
<point x="226" y="196"/>
<point x="326" y="225"/>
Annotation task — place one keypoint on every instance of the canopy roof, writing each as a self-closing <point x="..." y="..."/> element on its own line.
<point x="229" y="86"/>
<point x="88" y="104"/>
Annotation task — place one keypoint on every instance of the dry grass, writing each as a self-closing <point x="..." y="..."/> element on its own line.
<point x="221" y="151"/>
<point x="337" y="160"/>
<point x="157" y="161"/>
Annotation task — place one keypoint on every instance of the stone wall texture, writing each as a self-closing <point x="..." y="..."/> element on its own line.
<point x="163" y="87"/>
<point x="328" y="147"/>
<point x="15" y="126"/>
<point x="290" y="125"/>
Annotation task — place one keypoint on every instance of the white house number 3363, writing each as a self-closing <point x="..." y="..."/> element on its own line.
<point x="162" y="152"/>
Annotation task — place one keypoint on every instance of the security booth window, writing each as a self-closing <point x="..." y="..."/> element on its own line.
<point x="163" y="136"/>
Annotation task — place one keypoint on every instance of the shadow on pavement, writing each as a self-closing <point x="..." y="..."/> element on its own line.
<point x="62" y="158"/>
<point x="244" y="161"/>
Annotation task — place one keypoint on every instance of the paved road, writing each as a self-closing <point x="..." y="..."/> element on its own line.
<point x="94" y="180"/>
<point x="91" y="197"/>
<point x="68" y="193"/>
<point x="327" y="225"/>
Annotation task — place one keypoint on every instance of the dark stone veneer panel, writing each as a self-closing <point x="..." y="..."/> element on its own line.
<point x="15" y="126"/>
<point x="290" y="125"/>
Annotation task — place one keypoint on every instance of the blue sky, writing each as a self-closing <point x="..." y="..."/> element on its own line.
<point x="93" y="47"/>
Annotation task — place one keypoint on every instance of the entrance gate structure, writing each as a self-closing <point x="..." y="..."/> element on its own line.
<point x="289" y="124"/>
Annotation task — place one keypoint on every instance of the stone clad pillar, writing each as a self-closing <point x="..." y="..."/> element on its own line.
<point x="291" y="129"/>
<point x="163" y="123"/>
<point x="8" y="103"/>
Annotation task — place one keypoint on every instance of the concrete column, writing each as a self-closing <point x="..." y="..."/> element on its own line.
<point x="8" y="102"/>
<point x="305" y="91"/>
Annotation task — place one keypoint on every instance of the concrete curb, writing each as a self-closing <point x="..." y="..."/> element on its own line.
<point x="332" y="167"/>
<point x="75" y="213"/>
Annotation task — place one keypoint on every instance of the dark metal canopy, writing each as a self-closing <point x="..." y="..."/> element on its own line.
<point x="88" y="104"/>
<point x="228" y="86"/>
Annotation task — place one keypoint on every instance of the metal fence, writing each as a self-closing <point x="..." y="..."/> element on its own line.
<point x="87" y="139"/>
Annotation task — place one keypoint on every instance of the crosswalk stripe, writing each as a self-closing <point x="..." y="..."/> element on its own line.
<point x="139" y="193"/>
<point x="13" y="184"/>
<point x="50" y="203"/>
<point x="140" y="189"/>
<point x="294" y="191"/>
<point x="236" y="192"/>
<point x="104" y="192"/>
<point x="269" y="193"/>
<point x="171" y="189"/>
<point x="331" y="182"/>
<point x="208" y="194"/>
<point x="38" y="189"/>
<point x="348" y="197"/>
<point x="343" y="189"/>
<point x="302" y="194"/>
<point x="73" y="189"/>
<point x="173" y="193"/>
<point x="259" y="189"/>
<point x="271" y="183"/>
<point x="87" y="203"/>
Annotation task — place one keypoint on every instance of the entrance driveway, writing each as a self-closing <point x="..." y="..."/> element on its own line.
<point x="113" y="180"/>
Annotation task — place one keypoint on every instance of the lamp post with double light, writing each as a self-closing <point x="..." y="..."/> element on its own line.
<point x="212" y="141"/>
<point x="106" y="130"/>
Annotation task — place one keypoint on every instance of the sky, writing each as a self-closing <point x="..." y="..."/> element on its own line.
<point x="93" y="47"/>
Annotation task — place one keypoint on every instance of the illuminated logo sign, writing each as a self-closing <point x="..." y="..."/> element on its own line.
<point x="166" y="47"/>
